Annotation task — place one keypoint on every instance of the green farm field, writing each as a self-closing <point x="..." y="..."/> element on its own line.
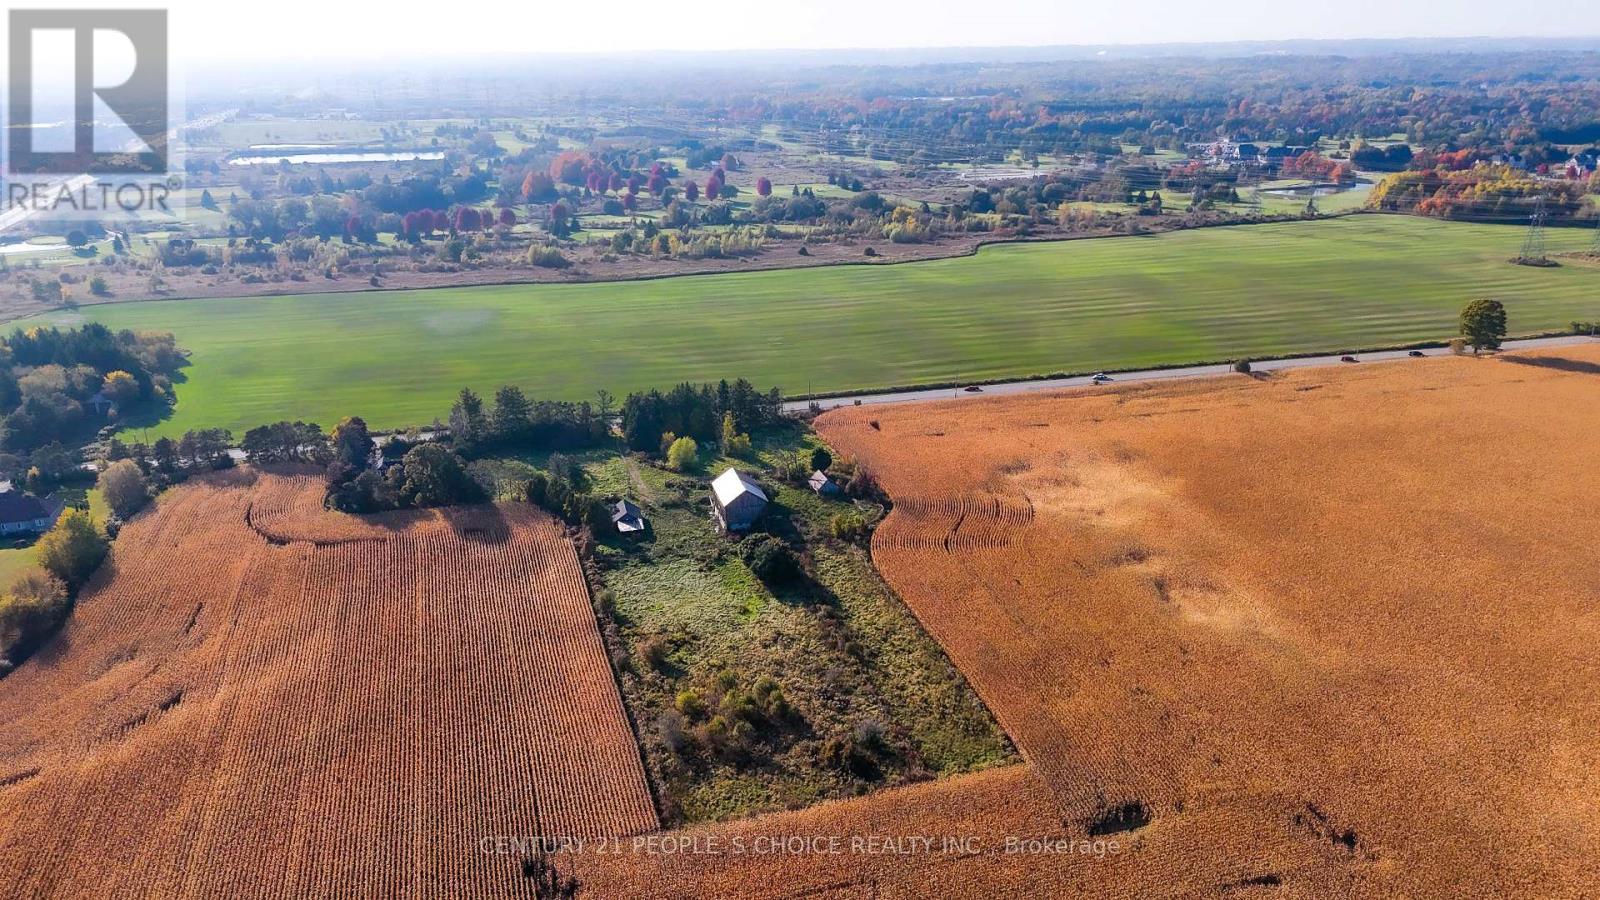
<point x="398" y="358"/>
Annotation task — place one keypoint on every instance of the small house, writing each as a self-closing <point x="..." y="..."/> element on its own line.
<point x="26" y="514"/>
<point x="736" y="501"/>
<point x="822" y="484"/>
<point x="627" y="518"/>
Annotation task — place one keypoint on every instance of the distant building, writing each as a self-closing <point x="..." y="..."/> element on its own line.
<point x="26" y="514"/>
<point x="627" y="518"/>
<point x="1277" y="156"/>
<point x="736" y="501"/>
<point x="822" y="484"/>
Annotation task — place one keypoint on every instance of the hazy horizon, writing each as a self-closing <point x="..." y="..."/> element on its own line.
<point x="301" y="30"/>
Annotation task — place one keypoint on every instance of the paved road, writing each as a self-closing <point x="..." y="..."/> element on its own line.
<point x="1051" y="384"/>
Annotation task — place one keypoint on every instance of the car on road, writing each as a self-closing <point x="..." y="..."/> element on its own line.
<point x="973" y="389"/>
<point x="1100" y="378"/>
<point x="1416" y="353"/>
<point x="1348" y="359"/>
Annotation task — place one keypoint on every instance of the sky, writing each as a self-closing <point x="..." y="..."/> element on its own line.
<point x="208" y="31"/>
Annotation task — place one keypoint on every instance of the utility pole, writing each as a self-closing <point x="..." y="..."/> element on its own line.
<point x="1533" y="246"/>
<point x="1594" y="247"/>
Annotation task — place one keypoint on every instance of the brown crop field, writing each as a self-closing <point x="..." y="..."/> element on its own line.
<point x="1348" y="614"/>
<point x="257" y="698"/>
<point x="1005" y="839"/>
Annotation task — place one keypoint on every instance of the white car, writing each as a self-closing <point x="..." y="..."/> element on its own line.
<point x="1100" y="378"/>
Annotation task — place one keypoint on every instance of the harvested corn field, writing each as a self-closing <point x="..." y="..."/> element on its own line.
<point x="982" y="836"/>
<point x="314" y="706"/>
<point x="1354" y="607"/>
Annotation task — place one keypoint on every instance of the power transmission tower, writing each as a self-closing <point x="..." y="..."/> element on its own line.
<point x="1533" y="246"/>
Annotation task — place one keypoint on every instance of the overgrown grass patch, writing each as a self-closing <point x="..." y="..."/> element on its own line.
<point x="750" y="697"/>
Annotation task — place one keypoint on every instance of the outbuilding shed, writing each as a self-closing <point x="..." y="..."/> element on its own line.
<point x="736" y="501"/>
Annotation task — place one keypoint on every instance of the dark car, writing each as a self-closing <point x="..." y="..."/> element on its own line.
<point x="973" y="389"/>
<point x="1416" y="353"/>
<point x="1348" y="359"/>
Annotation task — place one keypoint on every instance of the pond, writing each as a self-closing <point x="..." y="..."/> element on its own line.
<point x="1313" y="190"/>
<point x="10" y="249"/>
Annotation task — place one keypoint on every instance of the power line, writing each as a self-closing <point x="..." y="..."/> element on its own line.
<point x="1533" y="246"/>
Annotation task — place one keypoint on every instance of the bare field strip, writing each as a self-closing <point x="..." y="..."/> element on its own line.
<point x="330" y="706"/>
<point x="1354" y="603"/>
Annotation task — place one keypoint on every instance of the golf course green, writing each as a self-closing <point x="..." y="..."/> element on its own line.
<point x="397" y="358"/>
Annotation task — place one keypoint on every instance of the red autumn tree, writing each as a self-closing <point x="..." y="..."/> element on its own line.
<point x="764" y="186"/>
<point x="538" y="186"/>
<point x="691" y="191"/>
<point x="570" y="166"/>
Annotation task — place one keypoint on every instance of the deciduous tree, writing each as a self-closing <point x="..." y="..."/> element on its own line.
<point x="124" y="487"/>
<point x="352" y="442"/>
<point x="73" y="549"/>
<point x="437" y="477"/>
<point x="1483" y="324"/>
<point x="683" y="454"/>
<point x="120" y="387"/>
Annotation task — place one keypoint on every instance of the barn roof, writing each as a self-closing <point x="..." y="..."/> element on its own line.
<point x="732" y="484"/>
<point x="627" y="517"/>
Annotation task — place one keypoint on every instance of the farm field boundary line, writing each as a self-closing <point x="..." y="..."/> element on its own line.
<point x="1060" y="380"/>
